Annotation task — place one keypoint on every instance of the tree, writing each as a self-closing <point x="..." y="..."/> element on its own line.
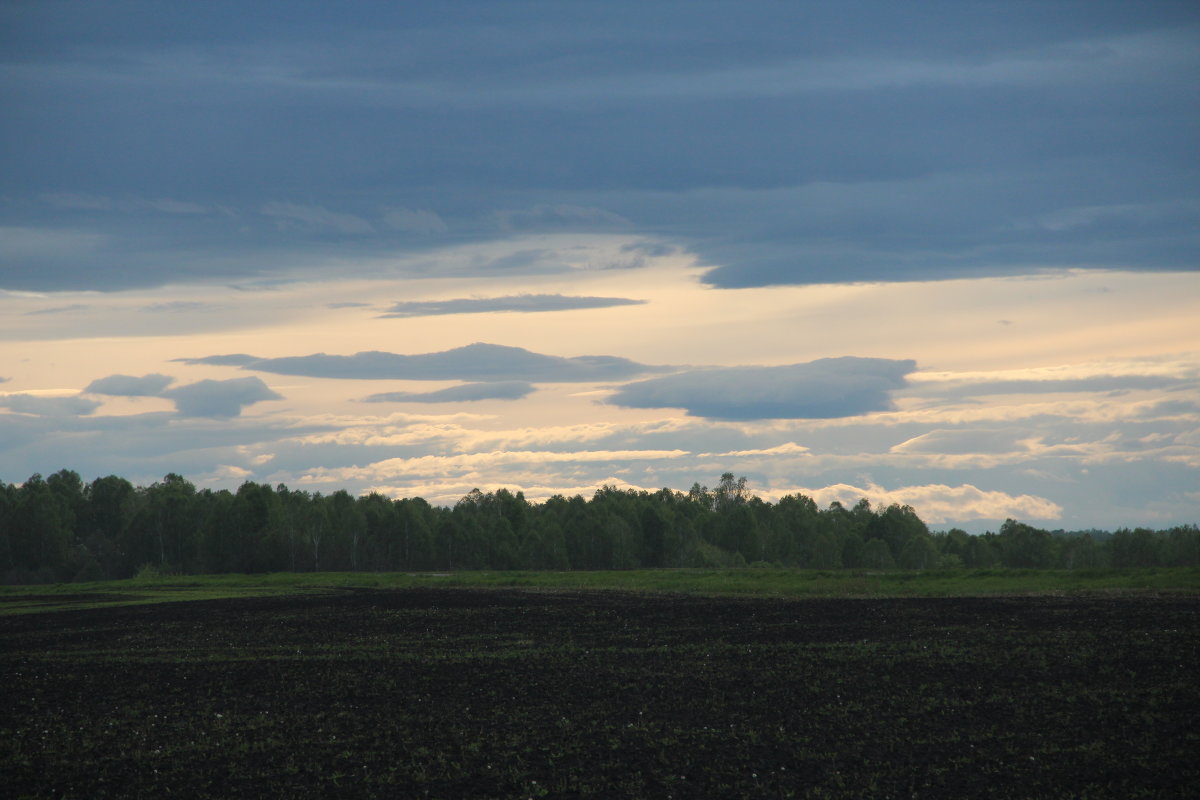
<point x="416" y="523"/>
<point x="164" y="530"/>
<point x="1024" y="546"/>
<point x="61" y="529"/>
<point x="729" y="492"/>
<point x="897" y="525"/>
<point x="292" y="510"/>
<point x="1079" y="552"/>
<point x="919" y="553"/>
<point x="543" y="546"/>
<point x="852" y="547"/>
<point x="954" y="542"/>
<point x="797" y="520"/>
<point x="620" y="546"/>
<point x="1183" y="546"/>
<point x="700" y="497"/>
<point x="733" y="528"/>
<point x="8" y="503"/>
<point x="982" y="552"/>
<point x="825" y="553"/>
<point x="347" y="530"/>
<point x="660" y="539"/>
<point x="68" y="490"/>
<point x="242" y="545"/>
<point x="111" y="505"/>
<point x="877" y="555"/>
<point x="314" y="528"/>
<point x="40" y="531"/>
<point x="1136" y="548"/>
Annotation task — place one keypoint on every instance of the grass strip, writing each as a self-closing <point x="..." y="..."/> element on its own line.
<point x="708" y="582"/>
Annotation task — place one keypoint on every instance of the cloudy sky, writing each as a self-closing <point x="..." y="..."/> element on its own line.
<point x="942" y="254"/>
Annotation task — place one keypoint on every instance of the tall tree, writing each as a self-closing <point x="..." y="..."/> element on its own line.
<point x="40" y="530"/>
<point x="877" y="555"/>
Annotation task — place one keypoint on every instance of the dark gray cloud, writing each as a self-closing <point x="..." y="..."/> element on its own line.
<point x="950" y="139"/>
<point x="130" y="386"/>
<point x="37" y="405"/>
<point x="417" y="221"/>
<point x="476" y="362"/>
<point x="822" y="389"/>
<point x="967" y="223"/>
<point x="226" y="360"/>
<point x="525" y="303"/>
<point x="561" y="216"/>
<point x="1168" y="408"/>
<point x="470" y="392"/>
<point x="290" y="216"/>
<point x="210" y="398"/>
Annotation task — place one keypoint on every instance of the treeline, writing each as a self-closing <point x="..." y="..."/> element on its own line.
<point x="60" y="529"/>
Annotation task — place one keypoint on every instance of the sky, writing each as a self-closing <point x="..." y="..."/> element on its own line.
<point x="943" y="254"/>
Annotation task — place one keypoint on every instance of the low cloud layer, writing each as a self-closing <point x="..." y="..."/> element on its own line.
<point x="225" y="360"/>
<point x="222" y="399"/>
<point x="467" y="393"/>
<point x="822" y="389"/>
<point x="73" y="406"/>
<point x="130" y="386"/>
<point x="476" y="362"/>
<point x="524" y="303"/>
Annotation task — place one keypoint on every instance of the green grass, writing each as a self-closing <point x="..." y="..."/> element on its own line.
<point x="745" y="582"/>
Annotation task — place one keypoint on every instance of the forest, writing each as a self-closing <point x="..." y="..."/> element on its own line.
<point x="61" y="529"/>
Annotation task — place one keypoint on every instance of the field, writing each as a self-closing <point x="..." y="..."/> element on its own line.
<point x="453" y="691"/>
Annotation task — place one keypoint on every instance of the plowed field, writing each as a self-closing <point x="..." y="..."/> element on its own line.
<point x="476" y="694"/>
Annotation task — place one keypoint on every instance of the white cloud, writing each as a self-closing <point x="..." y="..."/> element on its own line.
<point x="967" y="441"/>
<point x="785" y="449"/>
<point x="559" y="435"/>
<point x="448" y="492"/>
<point x="382" y="471"/>
<point x="939" y="503"/>
<point x="1107" y="376"/>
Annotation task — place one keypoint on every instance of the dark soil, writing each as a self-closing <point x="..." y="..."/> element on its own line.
<point x="471" y="693"/>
